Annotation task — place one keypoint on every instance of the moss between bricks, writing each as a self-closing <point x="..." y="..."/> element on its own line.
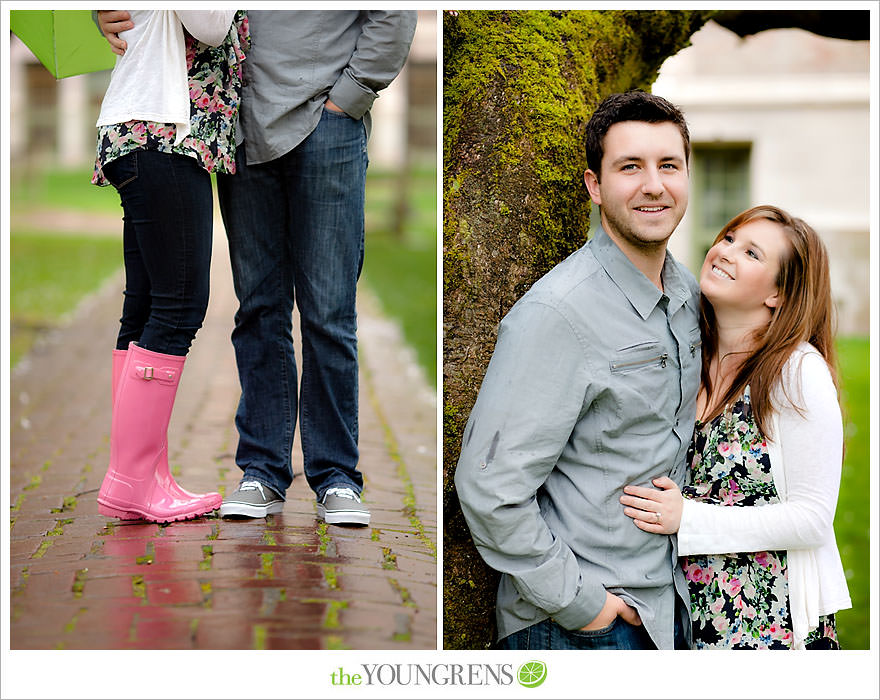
<point x="207" y="594"/>
<point x="25" y="575"/>
<point x="402" y="628"/>
<point x="323" y="538"/>
<point x="331" y="620"/>
<point x="403" y="592"/>
<point x="330" y="576"/>
<point x="409" y="499"/>
<point x="70" y="626"/>
<point x="41" y="550"/>
<point x="56" y="531"/>
<point x="18" y="501"/>
<point x="59" y="527"/>
<point x="221" y="474"/>
<point x="389" y="559"/>
<point x="260" y="635"/>
<point x="149" y="555"/>
<point x="336" y="643"/>
<point x="139" y="588"/>
<point x="67" y="504"/>
<point x="132" y="630"/>
<point x="79" y="583"/>
<point x="267" y="564"/>
<point x="207" y="557"/>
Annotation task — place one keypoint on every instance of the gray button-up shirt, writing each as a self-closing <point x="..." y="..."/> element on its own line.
<point x="592" y="386"/>
<point x="301" y="58"/>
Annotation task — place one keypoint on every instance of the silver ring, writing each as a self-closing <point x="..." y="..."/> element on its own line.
<point x="656" y="517"/>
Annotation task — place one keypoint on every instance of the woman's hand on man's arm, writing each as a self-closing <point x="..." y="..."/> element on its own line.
<point x="111" y="22"/>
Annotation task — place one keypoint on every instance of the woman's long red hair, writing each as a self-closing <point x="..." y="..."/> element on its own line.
<point x="804" y="312"/>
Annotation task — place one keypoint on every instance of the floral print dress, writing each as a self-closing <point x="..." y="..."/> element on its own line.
<point x="215" y="76"/>
<point x="739" y="601"/>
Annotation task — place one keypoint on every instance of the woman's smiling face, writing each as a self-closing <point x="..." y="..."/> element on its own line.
<point x="741" y="269"/>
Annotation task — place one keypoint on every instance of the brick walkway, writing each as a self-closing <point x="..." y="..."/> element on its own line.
<point x="79" y="580"/>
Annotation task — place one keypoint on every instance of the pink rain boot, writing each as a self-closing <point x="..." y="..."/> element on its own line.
<point x="118" y="363"/>
<point x="138" y="482"/>
<point x="119" y="357"/>
<point x="164" y="471"/>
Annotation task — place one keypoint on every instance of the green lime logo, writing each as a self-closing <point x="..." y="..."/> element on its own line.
<point x="531" y="674"/>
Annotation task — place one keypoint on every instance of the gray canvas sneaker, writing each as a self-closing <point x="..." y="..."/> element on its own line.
<point x="251" y="500"/>
<point x="342" y="506"/>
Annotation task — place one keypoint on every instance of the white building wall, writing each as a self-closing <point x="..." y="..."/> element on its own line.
<point x="389" y="112"/>
<point x="802" y="102"/>
<point x="76" y="142"/>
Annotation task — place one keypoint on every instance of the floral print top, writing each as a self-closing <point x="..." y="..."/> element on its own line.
<point x="739" y="600"/>
<point x="215" y="76"/>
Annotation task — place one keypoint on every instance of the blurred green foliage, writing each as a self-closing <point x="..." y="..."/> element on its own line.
<point x="852" y="522"/>
<point x="51" y="272"/>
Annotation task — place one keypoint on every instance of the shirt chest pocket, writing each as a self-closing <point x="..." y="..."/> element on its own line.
<point x="635" y="358"/>
<point x="643" y="376"/>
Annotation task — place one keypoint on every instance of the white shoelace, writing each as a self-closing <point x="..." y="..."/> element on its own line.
<point x="342" y="493"/>
<point x="252" y="486"/>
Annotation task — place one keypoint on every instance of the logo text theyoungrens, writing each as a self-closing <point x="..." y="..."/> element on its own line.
<point x="425" y="674"/>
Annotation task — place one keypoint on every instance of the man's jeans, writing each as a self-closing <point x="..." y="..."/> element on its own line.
<point x="618" y="635"/>
<point x="166" y="238"/>
<point x="296" y="234"/>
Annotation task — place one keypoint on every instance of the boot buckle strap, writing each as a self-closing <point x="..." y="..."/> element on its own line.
<point x="164" y="374"/>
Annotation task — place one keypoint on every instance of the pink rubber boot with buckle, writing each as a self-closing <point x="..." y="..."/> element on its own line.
<point x="118" y="363"/>
<point x="138" y="483"/>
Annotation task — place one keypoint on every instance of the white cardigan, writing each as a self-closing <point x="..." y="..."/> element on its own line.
<point x="150" y="81"/>
<point x="806" y="452"/>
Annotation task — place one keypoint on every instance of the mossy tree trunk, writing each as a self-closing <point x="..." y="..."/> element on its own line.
<point x="519" y="87"/>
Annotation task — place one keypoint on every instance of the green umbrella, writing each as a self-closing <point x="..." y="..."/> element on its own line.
<point x="67" y="42"/>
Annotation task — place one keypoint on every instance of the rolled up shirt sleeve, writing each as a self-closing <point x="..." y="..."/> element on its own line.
<point x="378" y="57"/>
<point x="533" y="394"/>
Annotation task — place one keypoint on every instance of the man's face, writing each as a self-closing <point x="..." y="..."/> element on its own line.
<point x="644" y="184"/>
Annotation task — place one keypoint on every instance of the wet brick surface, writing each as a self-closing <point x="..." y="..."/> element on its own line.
<point x="79" y="580"/>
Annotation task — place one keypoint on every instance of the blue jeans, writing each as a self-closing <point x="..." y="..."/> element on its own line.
<point x="548" y="634"/>
<point x="167" y="204"/>
<point x="296" y="235"/>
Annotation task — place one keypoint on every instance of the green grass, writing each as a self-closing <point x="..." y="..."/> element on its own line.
<point x="49" y="274"/>
<point x="851" y="524"/>
<point x="62" y="189"/>
<point x="402" y="268"/>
